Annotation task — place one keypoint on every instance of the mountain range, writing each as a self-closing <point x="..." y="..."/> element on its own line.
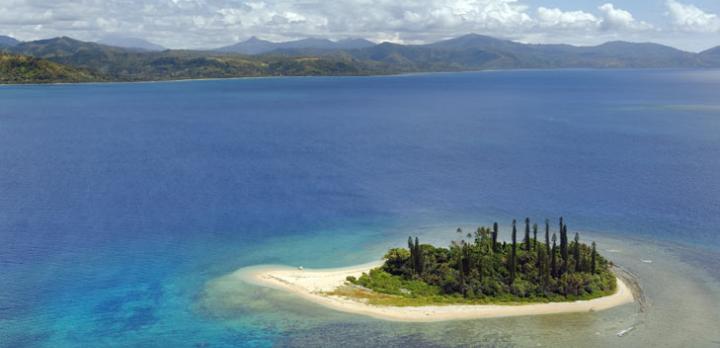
<point x="257" y="46"/>
<point x="256" y="57"/>
<point x="131" y="43"/>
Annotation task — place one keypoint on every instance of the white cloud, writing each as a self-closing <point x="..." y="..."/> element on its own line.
<point x="554" y="17"/>
<point x="688" y="17"/>
<point x="618" y="19"/>
<point x="214" y="23"/>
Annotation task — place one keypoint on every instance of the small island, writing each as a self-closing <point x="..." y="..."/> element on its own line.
<point x="477" y="276"/>
<point x="476" y="268"/>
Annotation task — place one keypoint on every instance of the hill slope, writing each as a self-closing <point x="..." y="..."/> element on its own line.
<point x="120" y="64"/>
<point x="711" y="57"/>
<point x="6" y="41"/>
<point x="24" y="69"/>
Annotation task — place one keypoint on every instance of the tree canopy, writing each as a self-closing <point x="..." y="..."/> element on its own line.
<point x="479" y="269"/>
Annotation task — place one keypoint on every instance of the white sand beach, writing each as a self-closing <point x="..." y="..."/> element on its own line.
<point x="313" y="284"/>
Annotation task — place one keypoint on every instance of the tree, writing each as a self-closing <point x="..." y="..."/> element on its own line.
<point x="494" y="236"/>
<point x="526" y="240"/>
<point x="538" y="262"/>
<point x="481" y="269"/>
<point x="576" y="253"/>
<point x="535" y="228"/>
<point x="396" y="260"/>
<point x="553" y="261"/>
<point x="411" y="247"/>
<point x="461" y="270"/>
<point x="592" y="260"/>
<point x="418" y="257"/>
<point x="543" y="269"/>
<point x="563" y="248"/>
<point x="546" y="273"/>
<point x="547" y="236"/>
<point x="472" y="270"/>
<point x="513" y="254"/>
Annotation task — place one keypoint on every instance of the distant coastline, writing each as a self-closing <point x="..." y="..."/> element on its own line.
<point x="402" y="74"/>
<point x="65" y="59"/>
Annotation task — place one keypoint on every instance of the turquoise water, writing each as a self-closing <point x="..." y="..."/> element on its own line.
<point x="120" y="203"/>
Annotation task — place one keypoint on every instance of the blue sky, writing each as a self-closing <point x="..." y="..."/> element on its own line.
<point x="688" y="24"/>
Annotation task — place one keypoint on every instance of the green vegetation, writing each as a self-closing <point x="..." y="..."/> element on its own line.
<point x="478" y="269"/>
<point x="119" y="64"/>
<point x="23" y="69"/>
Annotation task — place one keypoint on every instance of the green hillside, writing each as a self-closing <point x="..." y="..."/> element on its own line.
<point x="24" y="69"/>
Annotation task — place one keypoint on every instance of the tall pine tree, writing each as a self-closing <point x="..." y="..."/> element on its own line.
<point x="547" y="236"/>
<point x="494" y="236"/>
<point x="419" y="262"/>
<point x="526" y="240"/>
<point x="553" y="256"/>
<point x="513" y="254"/>
<point x="563" y="248"/>
<point x="592" y="260"/>
<point x="411" y="247"/>
<point x="576" y="253"/>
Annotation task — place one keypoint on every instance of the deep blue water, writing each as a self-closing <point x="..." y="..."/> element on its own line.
<point x="119" y="201"/>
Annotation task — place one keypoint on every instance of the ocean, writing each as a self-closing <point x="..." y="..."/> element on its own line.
<point x="120" y="203"/>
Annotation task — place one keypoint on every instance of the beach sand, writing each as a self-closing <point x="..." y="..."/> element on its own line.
<point x="313" y="284"/>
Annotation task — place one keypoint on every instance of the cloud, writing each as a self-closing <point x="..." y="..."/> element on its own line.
<point x="618" y="19"/>
<point x="214" y="23"/>
<point x="688" y="17"/>
<point x="556" y="18"/>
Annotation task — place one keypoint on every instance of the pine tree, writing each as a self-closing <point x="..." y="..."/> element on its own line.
<point x="535" y="228"/>
<point x="553" y="256"/>
<point x="563" y="248"/>
<point x="418" y="257"/>
<point x="547" y="236"/>
<point x="494" y="236"/>
<point x="513" y="253"/>
<point x="592" y="260"/>
<point x="526" y="240"/>
<point x="542" y="268"/>
<point x="576" y="253"/>
<point x="546" y="273"/>
<point x="411" y="247"/>
<point x="538" y="262"/>
<point x="481" y="269"/>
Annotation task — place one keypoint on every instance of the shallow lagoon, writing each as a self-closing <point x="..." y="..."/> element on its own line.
<point x="120" y="202"/>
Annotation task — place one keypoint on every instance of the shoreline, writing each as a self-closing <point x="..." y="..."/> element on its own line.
<point x="313" y="284"/>
<point x="397" y="74"/>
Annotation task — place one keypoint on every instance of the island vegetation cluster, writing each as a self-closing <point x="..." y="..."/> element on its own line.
<point x="479" y="268"/>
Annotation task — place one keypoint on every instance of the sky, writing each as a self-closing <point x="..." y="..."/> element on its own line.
<point x="692" y="25"/>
